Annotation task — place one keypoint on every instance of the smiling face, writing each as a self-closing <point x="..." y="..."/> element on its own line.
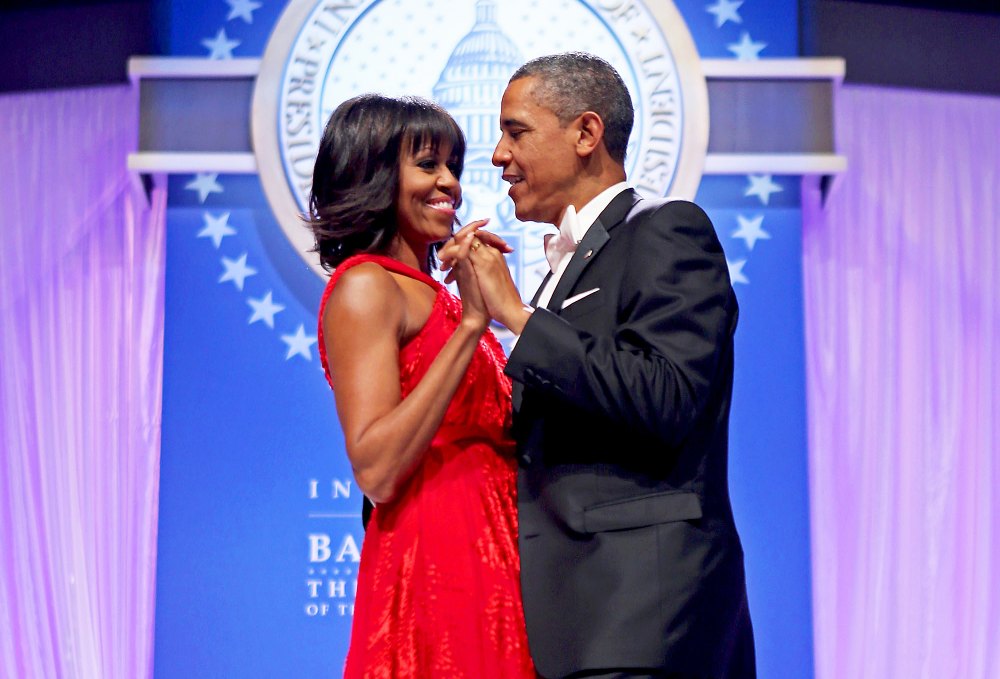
<point x="429" y="194"/>
<point x="538" y="155"/>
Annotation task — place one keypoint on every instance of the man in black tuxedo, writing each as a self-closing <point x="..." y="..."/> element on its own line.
<point x="631" y="565"/>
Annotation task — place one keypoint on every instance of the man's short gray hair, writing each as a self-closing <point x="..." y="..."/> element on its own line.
<point x="574" y="82"/>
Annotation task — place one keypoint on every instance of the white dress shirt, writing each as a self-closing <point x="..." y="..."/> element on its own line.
<point x="584" y="219"/>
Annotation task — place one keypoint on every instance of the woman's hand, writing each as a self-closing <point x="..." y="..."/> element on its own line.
<point x="449" y="250"/>
<point x="497" y="288"/>
<point x="474" y="312"/>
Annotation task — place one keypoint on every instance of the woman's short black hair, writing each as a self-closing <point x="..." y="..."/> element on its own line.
<point x="352" y="206"/>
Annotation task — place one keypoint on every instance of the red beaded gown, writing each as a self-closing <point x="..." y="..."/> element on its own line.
<point x="439" y="581"/>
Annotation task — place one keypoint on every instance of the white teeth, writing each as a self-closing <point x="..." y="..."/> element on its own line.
<point x="514" y="180"/>
<point x="443" y="204"/>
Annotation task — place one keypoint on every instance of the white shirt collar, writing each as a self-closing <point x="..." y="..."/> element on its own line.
<point x="589" y="213"/>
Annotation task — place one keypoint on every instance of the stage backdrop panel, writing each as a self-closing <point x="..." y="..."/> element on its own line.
<point x="260" y="535"/>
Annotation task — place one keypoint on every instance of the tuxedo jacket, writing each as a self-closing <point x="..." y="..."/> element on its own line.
<point x="629" y="554"/>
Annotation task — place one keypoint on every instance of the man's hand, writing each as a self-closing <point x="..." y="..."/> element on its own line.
<point x="503" y="301"/>
<point x="474" y="310"/>
<point x="449" y="252"/>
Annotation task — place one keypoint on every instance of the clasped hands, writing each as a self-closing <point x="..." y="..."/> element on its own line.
<point x="475" y="258"/>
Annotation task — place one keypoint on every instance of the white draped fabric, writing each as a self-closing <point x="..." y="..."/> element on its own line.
<point x="902" y="289"/>
<point x="81" y="352"/>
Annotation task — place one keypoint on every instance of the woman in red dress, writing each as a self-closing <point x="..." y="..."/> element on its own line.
<point x="421" y="397"/>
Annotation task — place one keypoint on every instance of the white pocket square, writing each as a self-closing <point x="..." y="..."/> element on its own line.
<point x="576" y="298"/>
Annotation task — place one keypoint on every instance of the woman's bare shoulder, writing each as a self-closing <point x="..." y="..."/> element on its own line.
<point x="365" y="290"/>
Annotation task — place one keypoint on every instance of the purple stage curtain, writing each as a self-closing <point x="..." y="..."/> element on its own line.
<point x="902" y="289"/>
<point x="81" y="354"/>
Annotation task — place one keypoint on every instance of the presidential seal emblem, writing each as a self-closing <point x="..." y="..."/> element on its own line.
<point x="462" y="54"/>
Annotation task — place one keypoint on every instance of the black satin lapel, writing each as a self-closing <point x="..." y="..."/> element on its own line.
<point x="586" y="251"/>
<point x="618" y="209"/>
<point x="538" y="292"/>
<point x="518" y="390"/>
<point x="597" y="236"/>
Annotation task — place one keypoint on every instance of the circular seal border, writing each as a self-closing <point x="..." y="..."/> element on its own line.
<point x="694" y="96"/>
<point x="266" y="96"/>
<point x="263" y="130"/>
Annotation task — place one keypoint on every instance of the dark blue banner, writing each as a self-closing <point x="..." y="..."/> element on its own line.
<point x="260" y="535"/>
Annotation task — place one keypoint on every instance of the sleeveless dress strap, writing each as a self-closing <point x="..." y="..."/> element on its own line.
<point x="387" y="263"/>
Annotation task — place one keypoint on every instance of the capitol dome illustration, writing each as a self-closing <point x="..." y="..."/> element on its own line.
<point x="471" y="86"/>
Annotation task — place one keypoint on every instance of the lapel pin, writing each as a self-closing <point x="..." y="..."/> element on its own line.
<point x="589" y="253"/>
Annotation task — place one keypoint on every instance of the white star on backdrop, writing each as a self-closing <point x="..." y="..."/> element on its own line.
<point x="220" y="47"/>
<point x="725" y="10"/>
<point x="264" y="309"/>
<point x="237" y="271"/>
<point x="736" y="271"/>
<point x="204" y="183"/>
<point x="750" y="230"/>
<point x="242" y="9"/>
<point x="299" y="343"/>
<point x="762" y="186"/>
<point x="746" y="49"/>
<point x="216" y="228"/>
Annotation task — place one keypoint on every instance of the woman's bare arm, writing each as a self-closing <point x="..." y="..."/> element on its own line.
<point x="363" y="326"/>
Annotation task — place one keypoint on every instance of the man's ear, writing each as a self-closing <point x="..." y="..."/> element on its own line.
<point x="591" y="133"/>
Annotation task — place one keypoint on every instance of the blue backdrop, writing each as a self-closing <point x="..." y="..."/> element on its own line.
<point x="259" y="532"/>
